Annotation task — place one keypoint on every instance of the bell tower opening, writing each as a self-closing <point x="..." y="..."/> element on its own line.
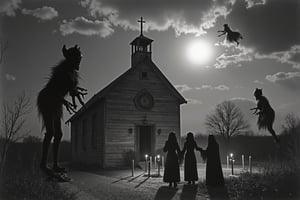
<point x="140" y="47"/>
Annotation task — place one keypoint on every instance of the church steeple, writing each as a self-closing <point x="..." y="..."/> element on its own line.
<point x="140" y="47"/>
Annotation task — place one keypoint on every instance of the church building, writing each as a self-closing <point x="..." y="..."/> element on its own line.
<point x="133" y="115"/>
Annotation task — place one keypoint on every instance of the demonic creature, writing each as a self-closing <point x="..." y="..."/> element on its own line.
<point x="265" y="112"/>
<point x="50" y="101"/>
<point x="232" y="36"/>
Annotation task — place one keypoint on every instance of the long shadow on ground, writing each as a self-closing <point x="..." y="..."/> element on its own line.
<point x="165" y="193"/>
<point x="216" y="193"/>
<point x="189" y="192"/>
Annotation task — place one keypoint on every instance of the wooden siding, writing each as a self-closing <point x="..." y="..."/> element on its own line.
<point x="122" y="115"/>
<point x="87" y="152"/>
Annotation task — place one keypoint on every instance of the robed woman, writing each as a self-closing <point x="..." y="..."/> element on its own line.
<point x="190" y="162"/>
<point x="171" y="173"/>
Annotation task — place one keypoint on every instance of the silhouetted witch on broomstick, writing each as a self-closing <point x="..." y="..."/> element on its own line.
<point x="232" y="36"/>
<point x="265" y="112"/>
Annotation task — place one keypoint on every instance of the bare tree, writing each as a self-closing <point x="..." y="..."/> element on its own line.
<point x="227" y="120"/>
<point x="12" y="124"/>
<point x="291" y="130"/>
<point x="291" y="122"/>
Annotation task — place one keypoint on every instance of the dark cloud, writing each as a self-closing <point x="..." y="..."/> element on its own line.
<point x="288" y="79"/>
<point x="9" y="7"/>
<point x="272" y="27"/>
<point x="291" y="56"/>
<point x="44" y="13"/>
<point x="87" y="27"/>
<point x="10" y="77"/>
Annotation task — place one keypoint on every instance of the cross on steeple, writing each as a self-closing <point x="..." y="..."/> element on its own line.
<point x="141" y="21"/>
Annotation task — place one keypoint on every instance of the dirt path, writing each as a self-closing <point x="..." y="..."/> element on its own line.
<point x="114" y="185"/>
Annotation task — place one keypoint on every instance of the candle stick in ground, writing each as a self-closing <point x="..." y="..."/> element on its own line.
<point x="155" y="162"/>
<point x="146" y="160"/>
<point x="132" y="170"/>
<point x="227" y="162"/>
<point x="250" y="164"/>
<point x="243" y="162"/>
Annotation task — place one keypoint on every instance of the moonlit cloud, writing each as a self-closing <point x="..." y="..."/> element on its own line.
<point x="183" y="88"/>
<point x="10" y="77"/>
<point x="270" y="27"/>
<point x="87" y="27"/>
<point x="219" y="87"/>
<point x="234" y="57"/>
<point x="291" y="56"/>
<point x="281" y="76"/>
<point x="44" y="13"/>
<point x="258" y="82"/>
<point x="194" y="101"/>
<point x="8" y="7"/>
<point x="288" y="79"/>
<point x="251" y="3"/>
<point x="183" y="16"/>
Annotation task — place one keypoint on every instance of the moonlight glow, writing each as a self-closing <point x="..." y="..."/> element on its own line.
<point x="199" y="52"/>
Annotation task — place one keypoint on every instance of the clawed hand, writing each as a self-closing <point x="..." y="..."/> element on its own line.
<point x="69" y="106"/>
<point x="79" y="93"/>
<point x="256" y="111"/>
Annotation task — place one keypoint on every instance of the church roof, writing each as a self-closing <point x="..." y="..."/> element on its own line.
<point x="101" y="94"/>
<point x="141" y="40"/>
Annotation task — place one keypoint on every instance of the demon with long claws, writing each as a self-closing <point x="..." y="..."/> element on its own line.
<point x="51" y="99"/>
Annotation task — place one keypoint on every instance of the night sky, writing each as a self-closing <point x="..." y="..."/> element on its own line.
<point x="268" y="56"/>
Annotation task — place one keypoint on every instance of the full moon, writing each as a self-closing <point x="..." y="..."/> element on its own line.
<point x="199" y="52"/>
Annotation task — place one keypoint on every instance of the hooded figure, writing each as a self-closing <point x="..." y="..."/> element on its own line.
<point x="214" y="173"/>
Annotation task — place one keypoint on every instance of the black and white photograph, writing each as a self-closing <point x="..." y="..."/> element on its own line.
<point x="150" y="100"/>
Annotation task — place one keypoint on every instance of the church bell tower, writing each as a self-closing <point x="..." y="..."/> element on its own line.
<point x="140" y="47"/>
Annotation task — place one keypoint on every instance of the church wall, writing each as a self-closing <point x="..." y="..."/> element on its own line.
<point x="122" y="115"/>
<point x="88" y="130"/>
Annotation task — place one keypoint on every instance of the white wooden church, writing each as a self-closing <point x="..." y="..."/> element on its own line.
<point x="135" y="112"/>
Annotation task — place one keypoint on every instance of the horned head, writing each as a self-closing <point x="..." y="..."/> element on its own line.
<point x="258" y="92"/>
<point x="73" y="55"/>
